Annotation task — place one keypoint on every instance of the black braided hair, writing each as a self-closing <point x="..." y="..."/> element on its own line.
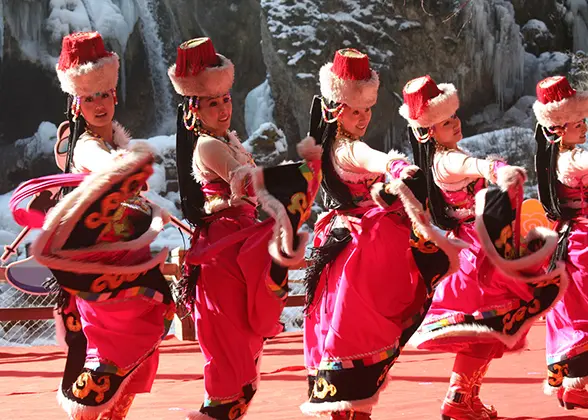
<point x="424" y="155"/>
<point x="191" y="200"/>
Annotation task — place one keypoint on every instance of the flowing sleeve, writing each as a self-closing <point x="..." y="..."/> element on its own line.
<point x="358" y="157"/>
<point x="573" y="167"/>
<point x="455" y="166"/>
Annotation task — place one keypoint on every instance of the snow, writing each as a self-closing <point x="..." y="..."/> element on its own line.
<point x="40" y="26"/>
<point x="405" y="26"/>
<point x="305" y="76"/>
<point x="41" y="142"/>
<point x="497" y="47"/>
<point x="296" y="57"/>
<point x="259" y="107"/>
<point x="536" y="25"/>
<point x="578" y="17"/>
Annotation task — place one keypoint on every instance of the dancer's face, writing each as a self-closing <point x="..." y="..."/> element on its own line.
<point x="215" y="113"/>
<point x="355" y="120"/>
<point x="573" y="133"/>
<point x="98" y="109"/>
<point x="447" y="133"/>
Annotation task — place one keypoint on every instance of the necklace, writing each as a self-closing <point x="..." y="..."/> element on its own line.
<point x="563" y="146"/>
<point x="342" y="133"/>
<point x="96" y="135"/>
<point x="442" y="148"/>
<point x="211" y="134"/>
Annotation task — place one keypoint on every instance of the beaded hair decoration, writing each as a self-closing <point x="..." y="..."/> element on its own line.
<point x="76" y="108"/>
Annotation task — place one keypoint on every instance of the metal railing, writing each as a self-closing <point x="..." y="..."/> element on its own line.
<point x="29" y="319"/>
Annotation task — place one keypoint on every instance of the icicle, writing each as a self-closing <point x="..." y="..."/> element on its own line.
<point x="496" y="47"/>
<point x="1" y="30"/>
<point x="157" y="64"/>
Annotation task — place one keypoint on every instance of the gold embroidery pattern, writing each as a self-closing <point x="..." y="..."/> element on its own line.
<point x="111" y="213"/>
<point x="238" y="410"/>
<point x="72" y="323"/>
<point x="547" y="282"/>
<point x="523" y="312"/>
<point x="112" y="281"/>
<point x="120" y="409"/>
<point x="384" y="374"/>
<point x="299" y="204"/>
<point x="504" y="241"/>
<point x="322" y="388"/>
<point x="555" y="377"/>
<point x="424" y="246"/>
<point x="85" y="384"/>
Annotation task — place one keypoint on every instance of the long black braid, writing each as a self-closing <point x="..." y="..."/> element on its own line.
<point x="335" y="196"/>
<point x="191" y="200"/>
<point x="546" y="168"/>
<point x="424" y="155"/>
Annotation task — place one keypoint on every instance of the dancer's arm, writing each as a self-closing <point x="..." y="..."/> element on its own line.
<point x="360" y="158"/>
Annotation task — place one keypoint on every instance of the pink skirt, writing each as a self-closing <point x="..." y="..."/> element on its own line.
<point x="567" y="322"/>
<point x="477" y="290"/>
<point x="365" y="299"/>
<point x="238" y="305"/>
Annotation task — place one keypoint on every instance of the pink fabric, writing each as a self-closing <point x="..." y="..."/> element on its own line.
<point x="476" y="287"/>
<point x="567" y="322"/>
<point x="31" y="218"/>
<point x="396" y="166"/>
<point x="368" y="292"/>
<point x="123" y="332"/>
<point x="235" y="307"/>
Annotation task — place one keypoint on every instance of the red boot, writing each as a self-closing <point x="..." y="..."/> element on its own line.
<point x="350" y="415"/>
<point x="575" y="398"/>
<point x="477" y="404"/>
<point x="459" y="402"/>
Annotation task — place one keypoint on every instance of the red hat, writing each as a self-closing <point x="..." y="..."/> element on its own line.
<point x="85" y="67"/>
<point x="350" y="80"/>
<point x="200" y="71"/>
<point x="557" y="103"/>
<point x="427" y="103"/>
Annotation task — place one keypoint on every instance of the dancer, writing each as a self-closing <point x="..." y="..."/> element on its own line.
<point x="239" y="291"/>
<point x="115" y="305"/>
<point x="487" y="307"/>
<point x="561" y="169"/>
<point x="365" y="296"/>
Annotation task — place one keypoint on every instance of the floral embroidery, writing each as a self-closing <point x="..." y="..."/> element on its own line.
<point x="86" y="384"/>
<point x="112" y="281"/>
<point x="72" y="323"/>
<point x="299" y="204"/>
<point x="521" y="313"/>
<point x="322" y="388"/>
<point x="112" y="214"/>
<point x="555" y="377"/>
<point x="424" y="246"/>
<point x="387" y="368"/>
<point x="504" y="241"/>
<point x="238" y="410"/>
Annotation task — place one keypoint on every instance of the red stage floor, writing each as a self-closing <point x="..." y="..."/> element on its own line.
<point x="30" y="375"/>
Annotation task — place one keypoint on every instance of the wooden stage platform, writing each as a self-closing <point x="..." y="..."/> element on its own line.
<point x="29" y="377"/>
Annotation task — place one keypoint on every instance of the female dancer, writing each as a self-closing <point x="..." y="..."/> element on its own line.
<point x="481" y="311"/>
<point x="365" y="296"/>
<point x="239" y="292"/>
<point x="115" y="304"/>
<point x="562" y="169"/>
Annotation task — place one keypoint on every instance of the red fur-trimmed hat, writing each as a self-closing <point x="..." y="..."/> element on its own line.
<point x="558" y="103"/>
<point x="350" y="80"/>
<point x="200" y="71"/>
<point x="427" y="103"/>
<point x="85" y="66"/>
